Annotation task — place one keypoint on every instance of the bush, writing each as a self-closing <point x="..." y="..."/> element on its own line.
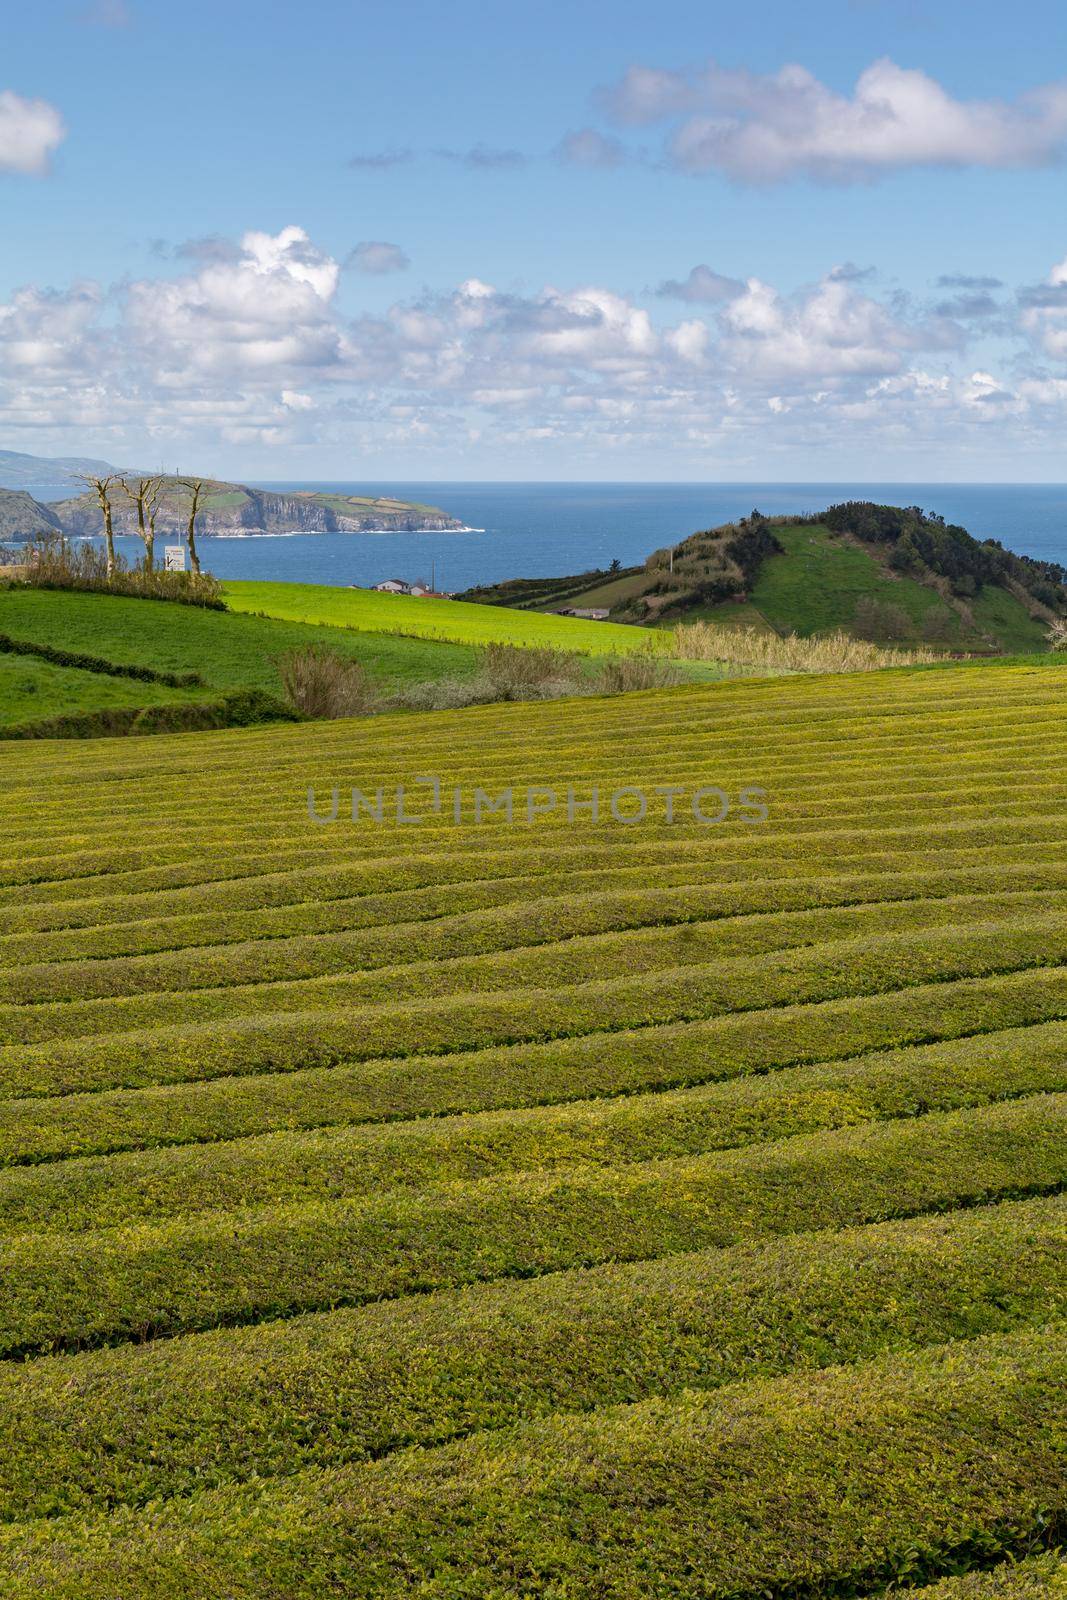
<point x="58" y="564"/>
<point x="319" y="682"/>
<point x="878" y="620"/>
<point x="170" y="1418"/>
<point x="841" y="1483"/>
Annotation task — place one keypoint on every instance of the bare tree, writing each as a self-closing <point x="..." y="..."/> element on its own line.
<point x="199" y="488"/>
<point x="102" y="490"/>
<point x="145" y="494"/>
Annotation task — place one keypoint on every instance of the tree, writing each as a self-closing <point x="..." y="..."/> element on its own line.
<point x="102" y="489"/>
<point x="198" y="488"/>
<point x="145" y="494"/>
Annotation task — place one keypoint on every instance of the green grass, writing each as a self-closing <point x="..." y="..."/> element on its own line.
<point x="229" y="651"/>
<point x="555" y="1208"/>
<point x="816" y="585"/>
<point x="32" y="690"/>
<point x="454" y="620"/>
<point x="999" y="613"/>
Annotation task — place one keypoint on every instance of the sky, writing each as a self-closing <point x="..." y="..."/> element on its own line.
<point x="581" y="241"/>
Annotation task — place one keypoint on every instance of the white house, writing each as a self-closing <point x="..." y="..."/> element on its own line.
<point x="392" y="586"/>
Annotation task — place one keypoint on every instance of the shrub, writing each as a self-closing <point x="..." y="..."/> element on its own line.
<point x="172" y="1417"/>
<point x="877" y="620"/>
<point x="319" y="682"/>
<point x="58" y="564"/>
<point x="832" y="1483"/>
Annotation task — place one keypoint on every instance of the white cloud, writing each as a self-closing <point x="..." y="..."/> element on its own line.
<point x="765" y="128"/>
<point x="378" y="256"/>
<point x="250" y="344"/>
<point x="30" y="131"/>
<point x="702" y="285"/>
<point x="588" y="148"/>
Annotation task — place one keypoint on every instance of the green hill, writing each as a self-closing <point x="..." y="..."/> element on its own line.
<point x="889" y="574"/>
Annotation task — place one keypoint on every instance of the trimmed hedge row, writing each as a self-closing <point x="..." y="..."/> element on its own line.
<point x="255" y="1030"/>
<point x="283" y="1095"/>
<point x="365" y="1160"/>
<point x="113" y="669"/>
<point x="567" y="940"/>
<point x="1041" y="1577"/>
<point x="279" y="892"/>
<point x="607" y="898"/>
<point x="123" y="1426"/>
<point x="527" y="945"/>
<point x="249" y="1264"/>
<point x="765" y="1488"/>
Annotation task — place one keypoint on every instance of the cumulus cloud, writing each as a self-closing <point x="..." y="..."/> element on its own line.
<point x="30" y="131"/>
<point x="588" y="148"/>
<point x="702" y="286"/>
<point x="377" y="256"/>
<point x="1043" y="313"/>
<point x="767" y="128"/>
<point x="250" y="344"/>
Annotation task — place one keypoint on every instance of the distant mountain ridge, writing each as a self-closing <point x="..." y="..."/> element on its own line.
<point x="20" y="471"/>
<point x="227" y="508"/>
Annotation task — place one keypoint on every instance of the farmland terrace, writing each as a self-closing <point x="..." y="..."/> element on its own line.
<point x="542" y="1208"/>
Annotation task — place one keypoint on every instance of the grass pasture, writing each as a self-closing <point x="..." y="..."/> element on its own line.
<point x="456" y="620"/>
<point x="541" y="1207"/>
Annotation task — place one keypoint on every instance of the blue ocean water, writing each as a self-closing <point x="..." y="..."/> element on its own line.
<point x="548" y="529"/>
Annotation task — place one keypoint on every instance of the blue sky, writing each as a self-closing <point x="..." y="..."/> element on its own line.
<point x="426" y="241"/>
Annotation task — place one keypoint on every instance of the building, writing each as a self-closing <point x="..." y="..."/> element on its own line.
<point x="392" y="586"/>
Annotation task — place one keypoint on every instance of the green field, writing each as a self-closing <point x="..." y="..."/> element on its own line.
<point x="230" y="651"/>
<point x="546" y="1206"/>
<point x="32" y="690"/>
<point x="455" y="620"/>
<point x="235" y="650"/>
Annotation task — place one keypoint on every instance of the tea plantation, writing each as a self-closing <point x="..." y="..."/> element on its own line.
<point x="460" y="1205"/>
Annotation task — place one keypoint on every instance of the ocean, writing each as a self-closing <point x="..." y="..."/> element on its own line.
<point x="550" y="529"/>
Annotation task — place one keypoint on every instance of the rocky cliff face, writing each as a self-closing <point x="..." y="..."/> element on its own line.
<point x="23" y="517"/>
<point x="233" y="508"/>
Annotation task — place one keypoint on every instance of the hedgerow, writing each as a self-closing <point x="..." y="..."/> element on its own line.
<point x="113" y="669"/>
<point x="593" y="937"/>
<point x="125" y="1426"/>
<point x="250" y="1263"/>
<point x="367" y="1160"/>
<point x="266" y="1028"/>
<point x="1042" y="1577"/>
<point x="764" y="1488"/>
<point x="244" y="708"/>
<point x="326" y="1142"/>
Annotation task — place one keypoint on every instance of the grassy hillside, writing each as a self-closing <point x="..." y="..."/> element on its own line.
<point x="890" y="576"/>
<point x="688" y="1195"/>
<point x="231" y="651"/>
<point x="32" y="690"/>
<point x="454" y="620"/>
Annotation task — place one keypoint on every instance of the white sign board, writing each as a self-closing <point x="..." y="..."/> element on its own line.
<point x="175" y="557"/>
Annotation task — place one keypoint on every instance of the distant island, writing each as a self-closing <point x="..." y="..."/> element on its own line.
<point x="226" y="507"/>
